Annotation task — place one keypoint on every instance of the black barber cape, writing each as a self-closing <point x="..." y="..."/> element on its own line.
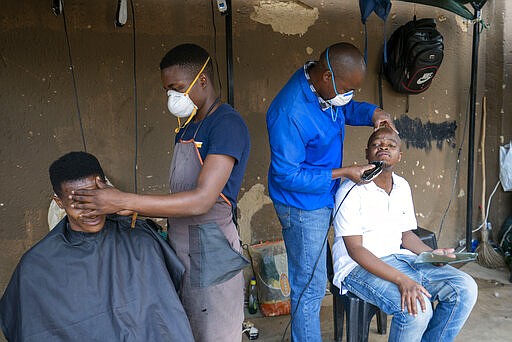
<point x="119" y="284"/>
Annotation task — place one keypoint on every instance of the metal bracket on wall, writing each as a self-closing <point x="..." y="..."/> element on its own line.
<point x="121" y="13"/>
<point x="57" y="7"/>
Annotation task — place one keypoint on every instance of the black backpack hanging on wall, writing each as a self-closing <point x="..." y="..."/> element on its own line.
<point x="414" y="54"/>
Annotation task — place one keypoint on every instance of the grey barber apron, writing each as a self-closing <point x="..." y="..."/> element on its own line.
<point x="209" y="247"/>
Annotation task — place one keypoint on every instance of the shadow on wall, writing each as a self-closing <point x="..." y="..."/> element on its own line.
<point x="415" y="133"/>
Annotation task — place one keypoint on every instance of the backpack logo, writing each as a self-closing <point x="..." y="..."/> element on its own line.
<point x="426" y="76"/>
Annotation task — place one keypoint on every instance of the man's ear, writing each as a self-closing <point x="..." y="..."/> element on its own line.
<point x="203" y="80"/>
<point x="366" y="153"/>
<point x="58" y="201"/>
<point x="327" y="76"/>
<point x="400" y="156"/>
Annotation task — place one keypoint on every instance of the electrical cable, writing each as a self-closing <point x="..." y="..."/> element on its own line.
<point x="215" y="46"/>
<point x="484" y="222"/>
<point x="229" y="53"/>
<point x="72" y="68"/>
<point x="135" y="102"/>
<point x="317" y="260"/>
<point x="455" y="175"/>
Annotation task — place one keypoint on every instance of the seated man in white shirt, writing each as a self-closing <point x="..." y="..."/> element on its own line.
<point x="375" y="249"/>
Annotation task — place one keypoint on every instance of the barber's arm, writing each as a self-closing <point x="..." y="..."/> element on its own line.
<point x="364" y="114"/>
<point x="410" y="290"/>
<point x="352" y="172"/>
<point x="212" y="179"/>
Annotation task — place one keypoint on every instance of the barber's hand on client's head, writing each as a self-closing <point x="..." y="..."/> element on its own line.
<point x="103" y="200"/>
<point x="383" y="124"/>
<point x="383" y="119"/>
<point x="104" y="185"/>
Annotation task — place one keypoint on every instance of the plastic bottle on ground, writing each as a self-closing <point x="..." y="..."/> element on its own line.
<point x="253" y="297"/>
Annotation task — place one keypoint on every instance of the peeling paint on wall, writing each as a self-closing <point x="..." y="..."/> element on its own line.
<point x="287" y="17"/>
<point x="417" y="134"/>
<point x="250" y="203"/>
<point x="462" y="23"/>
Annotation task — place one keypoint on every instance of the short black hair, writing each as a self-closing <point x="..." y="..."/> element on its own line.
<point x="189" y="56"/>
<point x="74" y="166"/>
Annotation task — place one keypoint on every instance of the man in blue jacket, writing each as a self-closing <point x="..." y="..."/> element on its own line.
<point x="306" y="126"/>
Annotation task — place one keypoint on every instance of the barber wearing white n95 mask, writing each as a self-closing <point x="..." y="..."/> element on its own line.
<point x="180" y="104"/>
<point x="205" y="176"/>
<point x="306" y="127"/>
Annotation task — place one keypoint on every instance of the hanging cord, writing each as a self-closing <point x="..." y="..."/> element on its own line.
<point x="455" y="174"/>
<point x="484" y="220"/>
<point x="215" y="47"/>
<point x="317" y="260"/>
<point x="135" y="102"/>
<point x="72" y="68"/>
<point x="381" y="73"/>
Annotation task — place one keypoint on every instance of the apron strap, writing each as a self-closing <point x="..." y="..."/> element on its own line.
<point x="190" y="141"/>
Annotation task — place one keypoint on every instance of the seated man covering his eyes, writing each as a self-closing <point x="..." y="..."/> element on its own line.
<point x="96" y="278"/>
<point x="373" y="222"/>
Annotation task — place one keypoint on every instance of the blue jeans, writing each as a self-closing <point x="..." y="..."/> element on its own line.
<point x="304" y="233"/>
<point x="454" y="291"/>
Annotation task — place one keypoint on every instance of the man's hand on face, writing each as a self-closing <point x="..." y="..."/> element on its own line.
<point x="104" y="200"/>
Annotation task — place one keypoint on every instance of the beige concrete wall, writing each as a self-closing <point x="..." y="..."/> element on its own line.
<point x="271" y="40"/>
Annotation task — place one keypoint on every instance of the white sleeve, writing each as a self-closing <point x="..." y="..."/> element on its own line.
<point x="410" y="222"/>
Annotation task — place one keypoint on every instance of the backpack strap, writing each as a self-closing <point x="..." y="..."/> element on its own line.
<point x="365" y="44"/>
<point x="382" y="9"/>
<point x="381" y="74"/>
<point x="385" y="53"/>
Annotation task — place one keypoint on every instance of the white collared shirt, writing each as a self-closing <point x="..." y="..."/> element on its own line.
<point x="378" y="217"/>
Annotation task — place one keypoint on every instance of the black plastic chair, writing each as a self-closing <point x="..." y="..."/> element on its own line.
<point x="358" y="312"/>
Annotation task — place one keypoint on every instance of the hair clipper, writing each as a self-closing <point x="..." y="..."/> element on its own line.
<point x="369" y="175"/>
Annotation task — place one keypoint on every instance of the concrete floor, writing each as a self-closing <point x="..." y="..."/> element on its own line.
<point x="491" y="319"/>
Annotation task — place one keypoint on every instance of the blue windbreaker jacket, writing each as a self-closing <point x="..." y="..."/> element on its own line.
<point x="306" y="144"/>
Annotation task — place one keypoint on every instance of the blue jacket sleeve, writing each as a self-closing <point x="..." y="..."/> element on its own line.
<point x="359" y="113"/>
<point x="288" y="143"/>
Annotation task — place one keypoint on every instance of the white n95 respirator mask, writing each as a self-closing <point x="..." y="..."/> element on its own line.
<point x="180" y="104"/>
<point x="342" y="99"/>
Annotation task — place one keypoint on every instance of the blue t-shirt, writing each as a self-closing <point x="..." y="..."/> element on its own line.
<point x="306" y="144"/>
<point x="222" y="132"/>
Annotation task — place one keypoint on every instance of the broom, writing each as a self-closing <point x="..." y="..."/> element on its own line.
<point x="487" y="256"/>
